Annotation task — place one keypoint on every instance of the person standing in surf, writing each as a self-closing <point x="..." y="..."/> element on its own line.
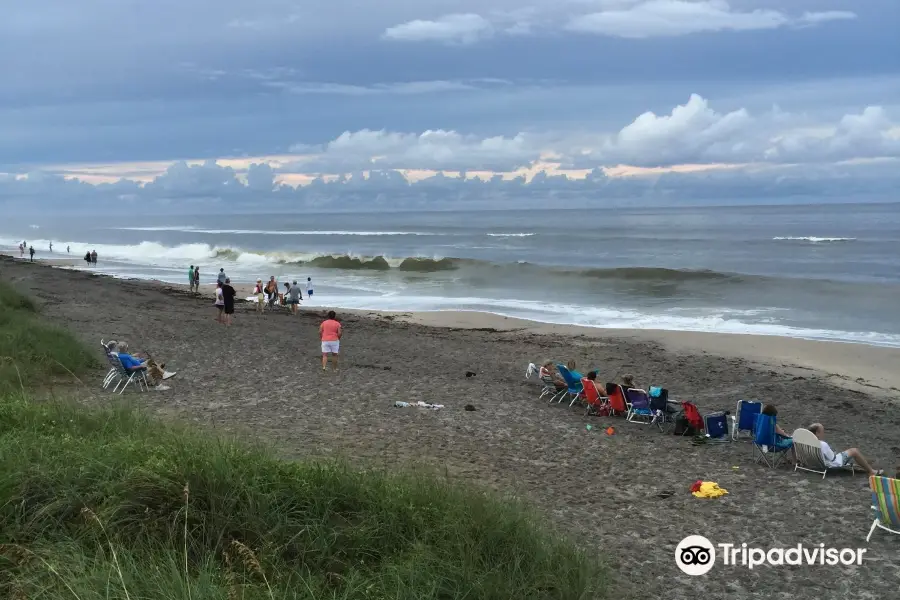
<point x="94" y="257"/>
<point x="31" y="253"/>
<point x="221" y="277"/>
<point x="309" y="288"/>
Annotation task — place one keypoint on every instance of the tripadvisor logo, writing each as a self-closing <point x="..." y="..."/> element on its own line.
<point x="696" y="555"/>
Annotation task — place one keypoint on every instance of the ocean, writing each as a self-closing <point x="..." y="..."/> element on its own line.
<point x="829" y="272"/>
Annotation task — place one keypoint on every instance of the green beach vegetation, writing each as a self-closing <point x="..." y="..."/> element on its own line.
<point x="110" y="503"/>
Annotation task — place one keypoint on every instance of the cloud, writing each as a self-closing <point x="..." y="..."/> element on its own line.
<point x="465" y="28"/>
<point x="667" y="18"/>
<point x="437" y="150"/>
<point x="692" y="133"/>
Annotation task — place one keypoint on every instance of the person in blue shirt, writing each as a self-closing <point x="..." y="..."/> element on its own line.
<point x="139" y="362"/>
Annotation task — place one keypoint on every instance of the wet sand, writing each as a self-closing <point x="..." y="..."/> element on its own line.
<point x="261" y="379"/>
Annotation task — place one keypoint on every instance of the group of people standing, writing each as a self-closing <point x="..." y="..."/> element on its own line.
<point x="265" y="294"/>
<point x="89" y="257"/>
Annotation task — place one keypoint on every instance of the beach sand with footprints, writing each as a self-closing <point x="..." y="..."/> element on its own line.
<point x="625" y="496"/>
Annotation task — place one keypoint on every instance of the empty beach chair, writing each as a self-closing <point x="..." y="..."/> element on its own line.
<point x="808" y="454"/>
<point x="716" y="425"/>
<point x="767" y="447"/>
<point x="618" y="405"/>
<point x="575" y="387"/>
<point x="744" y="418"/>
<point x="663" y="414"/>
<point x="594" y="403"/>
<point x="886" y="504"/>
<point x="638" y="406"/>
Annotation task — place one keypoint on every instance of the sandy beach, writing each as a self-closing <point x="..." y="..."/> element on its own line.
<point x="261" y="379"/>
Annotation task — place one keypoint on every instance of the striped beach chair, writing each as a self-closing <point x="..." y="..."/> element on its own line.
<point x="886" y="504"/>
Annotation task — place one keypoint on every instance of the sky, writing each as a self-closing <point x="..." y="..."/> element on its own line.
<point x="105" y="89"/>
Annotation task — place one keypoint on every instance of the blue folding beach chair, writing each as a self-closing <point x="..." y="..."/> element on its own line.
<point x="575" y="387"/>
<point x="745" y="418"/>
<point x="768" y="446"/>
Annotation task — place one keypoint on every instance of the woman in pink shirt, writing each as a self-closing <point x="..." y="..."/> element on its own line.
<point x="330" y="331"/>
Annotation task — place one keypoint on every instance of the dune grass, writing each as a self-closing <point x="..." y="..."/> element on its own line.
<point x="111" y="504"/>
<point x="33" y="352"/>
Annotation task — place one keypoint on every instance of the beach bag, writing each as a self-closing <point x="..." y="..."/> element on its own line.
<point x="683" y="426"/>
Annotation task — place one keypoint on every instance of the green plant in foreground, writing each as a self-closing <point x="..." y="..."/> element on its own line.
<point x="109" y="504"/>
<point x="175" y="515"/>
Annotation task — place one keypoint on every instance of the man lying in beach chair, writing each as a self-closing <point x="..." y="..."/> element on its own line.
<point x="132" y="363"/>
<point x="815" y="455"/>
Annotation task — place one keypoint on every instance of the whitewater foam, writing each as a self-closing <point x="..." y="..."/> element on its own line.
<point x="188" y="229"/>
<point x="510" y="235"/>
<point x="814" y="240"/>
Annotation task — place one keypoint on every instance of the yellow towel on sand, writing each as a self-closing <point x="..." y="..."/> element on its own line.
<point x="710" y="489"/>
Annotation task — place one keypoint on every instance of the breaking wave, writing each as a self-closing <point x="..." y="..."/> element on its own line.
<point x="813" y="240"/>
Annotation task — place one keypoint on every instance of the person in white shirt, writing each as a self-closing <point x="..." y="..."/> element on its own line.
<point x="309" y="287"/>
<point x="841" y="459"/>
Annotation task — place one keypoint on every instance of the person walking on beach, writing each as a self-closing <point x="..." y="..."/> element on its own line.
<point x="221" y="277"/>
<point x="331" y="333"/>
<point x="220" y="303"/>
<point x="295" y="297"/>
<point x="197" y="279"/>
<point x="87" y="258"/>
<point x="94" y="257"/>
<point x="228" y="294"/>
<point x="31" y="253"/>
<point x="191" y="277"/>
<point x="272" y="291"/>
<point x="309" y="287"/>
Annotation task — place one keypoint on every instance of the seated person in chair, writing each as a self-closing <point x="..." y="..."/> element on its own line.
<point x="841" y="459"/>
<point x="548" y="369"/>
<point x="629" y="384"/>
<point x="601" y="389"/>
<point x="139" y="362"/>
<point x="571" y="367"/>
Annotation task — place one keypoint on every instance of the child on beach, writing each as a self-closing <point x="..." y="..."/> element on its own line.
<point x="309" y="287"/>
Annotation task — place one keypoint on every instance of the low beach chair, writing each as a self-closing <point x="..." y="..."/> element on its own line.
<point x="663" y="415"/>
<point x="575" y="387"/>
<point x="767" y="448"/>
<point x="886" y="504"/>
<point x="114" y="366"/>
<point x="617" y="402"/>
<point x="808" y="454"/>
<point x="716" y="424"/>
<point x="549" y="389"/>
<point x="744" y="418"/>
<point x="594" y="402"/>
<point x="126" y="377"/>
<point x="638" y="406"/>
